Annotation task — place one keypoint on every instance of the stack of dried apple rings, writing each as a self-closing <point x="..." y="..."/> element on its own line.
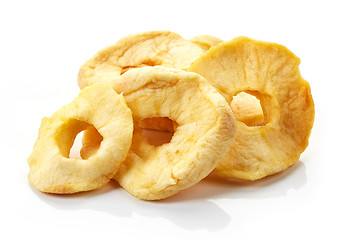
<point x="239" y="108"/>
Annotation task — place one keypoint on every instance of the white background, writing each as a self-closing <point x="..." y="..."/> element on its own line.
<point x="43" y="44"/>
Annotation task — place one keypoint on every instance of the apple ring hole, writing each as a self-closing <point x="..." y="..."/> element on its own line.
<point x="69" y="138"/>
<point x="251" y="108"/>
<point x="77" y="145"/>
<point x="158" y="130"/>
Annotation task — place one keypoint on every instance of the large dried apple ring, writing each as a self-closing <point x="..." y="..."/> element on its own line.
<point x="99" y="107"/>
<point x="271" y="73"/>
<point x="134" y="51"/>
<point x="206" y="128"/>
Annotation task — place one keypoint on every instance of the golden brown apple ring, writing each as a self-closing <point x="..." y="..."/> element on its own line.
<point x="146" y="49"/>
<point x="206" y="128"/>
<point x="271" y="73"/>
<point x="98" y="106"/>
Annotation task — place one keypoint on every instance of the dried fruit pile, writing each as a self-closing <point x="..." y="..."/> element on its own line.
<point x="239" y="108"/>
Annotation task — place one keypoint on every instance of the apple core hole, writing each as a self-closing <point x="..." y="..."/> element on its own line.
<point x="158" y="130"/>
<point x="247" y="108"/>
<point x="69" y="139"/>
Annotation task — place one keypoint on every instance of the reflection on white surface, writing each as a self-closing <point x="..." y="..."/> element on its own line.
<point x="190" y="215"/>
<point x="191" y="209"/>
<point x="215" y="187"/>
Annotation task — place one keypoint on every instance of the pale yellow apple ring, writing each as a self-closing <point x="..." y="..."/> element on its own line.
<point x="98" y="106"/>
<point x="206" y="129"/>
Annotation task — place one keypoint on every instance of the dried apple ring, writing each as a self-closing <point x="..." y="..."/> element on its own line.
<point x="134" y="51"/>
<point x="206" y="129"/>
<point x="99" y="107"/>
<point x="270" y="72"/>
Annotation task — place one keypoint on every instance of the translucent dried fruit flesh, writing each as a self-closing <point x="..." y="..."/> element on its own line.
<point x="271" y="72"/>
<point x="206" y="128"/>
<point x="98" y="107"/>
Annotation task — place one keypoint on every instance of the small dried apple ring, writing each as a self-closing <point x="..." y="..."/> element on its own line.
<point x="99" y="107"/>
<point x="206" y="129"/>
<point x="270" y="72"/>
